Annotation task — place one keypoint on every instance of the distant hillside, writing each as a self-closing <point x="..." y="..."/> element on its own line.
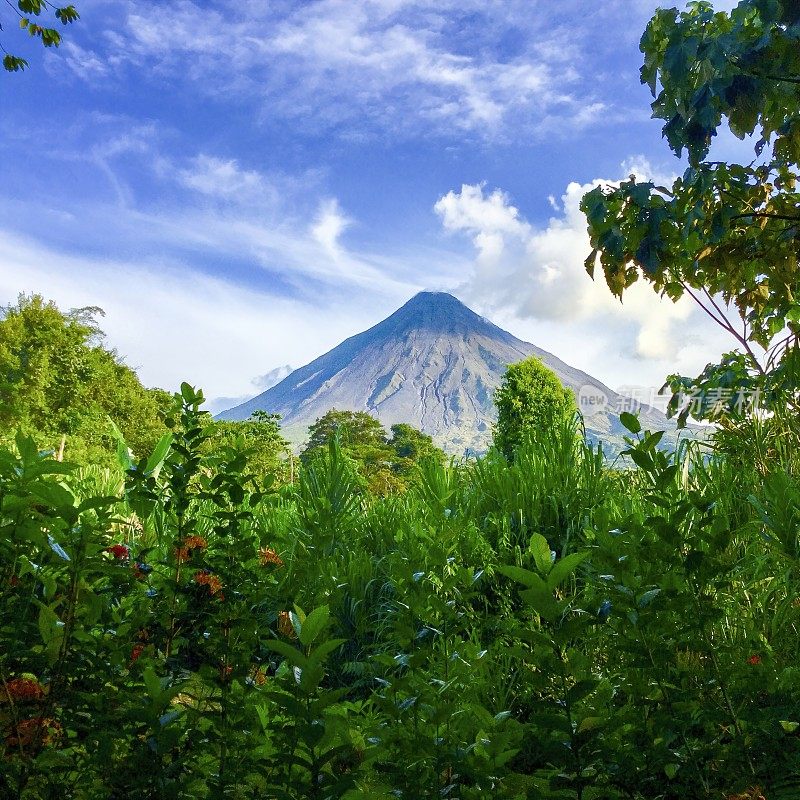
<point x="434" y="363"/>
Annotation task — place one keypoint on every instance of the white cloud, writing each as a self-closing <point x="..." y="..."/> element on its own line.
<point x="535" y="279"/>
<point x="266" y="224"/>
<point x="174" y="324"/>
<point x="329" y="226"/>
<point x="407" y="65"/>
<point x="221" y="177"/>
<point x="83" y="62"/>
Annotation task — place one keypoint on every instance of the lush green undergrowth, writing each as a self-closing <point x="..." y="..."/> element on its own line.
<point x="543" y="628"/>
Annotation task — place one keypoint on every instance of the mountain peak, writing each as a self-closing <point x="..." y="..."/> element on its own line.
<point x="435" y="311"/>
<point x="436" y="300"/>
<point x="434" y="297"/>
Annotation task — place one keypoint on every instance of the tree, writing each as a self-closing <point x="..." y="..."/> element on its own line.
<point x="57" y="380"/>
<point x="412" y="446"/>
<point x="362" y="440"/>
<point x="387" y="465"/>
<point x="355" y="429"/>
<point x="530" y="398"/>
<point x="260" y="439"/>
<point x="724" y="234"/>
<point x="30" y="14"/>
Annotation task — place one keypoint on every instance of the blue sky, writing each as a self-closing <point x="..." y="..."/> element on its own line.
<point x="240" y="185"/>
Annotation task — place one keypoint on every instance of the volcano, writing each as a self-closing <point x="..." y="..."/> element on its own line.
<point x="434" y="363"/>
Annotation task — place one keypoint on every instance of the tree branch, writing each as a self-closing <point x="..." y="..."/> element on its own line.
<point x="765" y="215"/>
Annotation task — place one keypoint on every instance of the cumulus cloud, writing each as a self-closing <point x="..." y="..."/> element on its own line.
<point x="537" y="274"/>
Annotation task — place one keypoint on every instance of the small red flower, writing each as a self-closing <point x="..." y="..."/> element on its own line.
<point x="184" y="551"/>
<point x="24" y="690"/>
<point x="205" y="578"/>
<point x="182" y="554"/>
<point x="119" y="551"/>
<point x="195" y="543"/>
<point x="36" y="731"/>
<point x="754" y="659"/>
<point x="751" y="794"/>
<point x="137" y="650"/>
<point x="266" y="555"/>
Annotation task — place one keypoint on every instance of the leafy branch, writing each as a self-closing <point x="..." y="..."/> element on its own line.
<point x="29" y="13"/>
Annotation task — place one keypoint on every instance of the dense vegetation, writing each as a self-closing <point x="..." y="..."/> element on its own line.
<point x="536" y="629"/>
<point x="216" y="619"/>
<point x="59" y="384"/>
<point x="386" y="464"/>
<point x="186" y="621"/>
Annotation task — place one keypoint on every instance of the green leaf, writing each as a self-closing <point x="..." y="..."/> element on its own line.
<point x="27" y="448"/>
<point x="97" y="503"/>
<point x="152" y="683"/>
<point x="314" y="624"/>
<point x="590" y="724"/>
<point x="642" y="460"/>
<point x="541" y="599"/>
<point x="630" y="422"/>
<point x="647" y="597"/>
<point x="581" y="690"/>
<point x="51" y="630"/>
<point x="156" y="459"/>
<point x="789" y="727"/>
<point x="540" y="550"/>
<point x="52" y="494"/>
<point x="671" y="770"/>
<point x="291" y="654"/>
<point x="319" y="654"/>
<point x="188" y="393"/>
<point x="564" y="567"/>
<point x="124" y="453"/>
<point x="524" y="576"/>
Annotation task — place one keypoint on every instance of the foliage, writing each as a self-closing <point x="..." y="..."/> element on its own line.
<point x="723" y="233"/>
<point x="387" y="465"/>
<point x="30" y="14"/>
<point x="412" y="446"/>
<point x="57" y="380"/>
<point x="530" y="398"/>
<point x="542" y="628"/>
<point x="260" y="439"/>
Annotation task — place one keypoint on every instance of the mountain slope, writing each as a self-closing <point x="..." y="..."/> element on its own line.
<point x="434" y="363"/>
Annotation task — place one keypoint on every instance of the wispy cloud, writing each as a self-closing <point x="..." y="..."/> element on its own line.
<point x="220" y="177"/>
<point x="391" y="66"/>
<point x="173" y="323"/>
<point x="216" y="214"/>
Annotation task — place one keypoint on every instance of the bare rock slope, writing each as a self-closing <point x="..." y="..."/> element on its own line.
<point x="435" y="364"/>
